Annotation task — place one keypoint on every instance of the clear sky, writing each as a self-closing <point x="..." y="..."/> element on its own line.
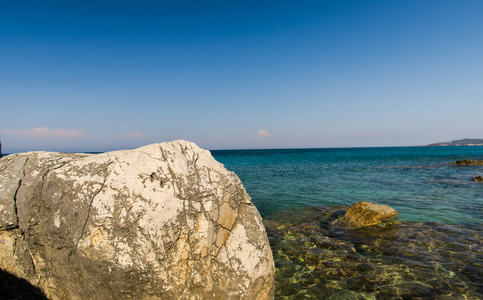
<point x="106" y="75"/>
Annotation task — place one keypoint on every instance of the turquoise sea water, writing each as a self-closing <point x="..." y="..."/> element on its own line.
<point x="434" y="250"/>
<point x="418" y="182"/>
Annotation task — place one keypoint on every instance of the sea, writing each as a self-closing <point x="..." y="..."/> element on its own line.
<point x="432" y="250"/>
<point x="418" y="182"/>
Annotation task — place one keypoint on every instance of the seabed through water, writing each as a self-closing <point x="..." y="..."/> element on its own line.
<point x="317" y="259"/>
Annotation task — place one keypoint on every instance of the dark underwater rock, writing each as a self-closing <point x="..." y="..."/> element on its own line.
<point x="468" y="162"/>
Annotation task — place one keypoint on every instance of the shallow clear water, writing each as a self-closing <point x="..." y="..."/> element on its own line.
<point x="434" y="250"/>
<point x="316" y="258"/>
<point x="416" y="181"/>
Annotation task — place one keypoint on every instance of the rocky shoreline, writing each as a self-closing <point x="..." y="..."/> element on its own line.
<point x="459" y="143"/>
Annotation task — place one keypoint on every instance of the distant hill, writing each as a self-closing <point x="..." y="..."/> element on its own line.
<point x="463" y="142"/>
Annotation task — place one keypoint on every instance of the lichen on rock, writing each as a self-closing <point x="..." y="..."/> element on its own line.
<point x="163" y="221"/>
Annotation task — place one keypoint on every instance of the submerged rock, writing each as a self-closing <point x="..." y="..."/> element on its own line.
<point x="363" y="214"/>
<point x="165" y="221"/>
<point x="316" y="258"/>
<point x="468" y="162"/>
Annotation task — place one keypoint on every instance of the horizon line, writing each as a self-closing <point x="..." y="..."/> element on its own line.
<point x="256" y="149"/>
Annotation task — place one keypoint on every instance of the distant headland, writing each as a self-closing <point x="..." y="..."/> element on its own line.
<point x="463" y="142"/>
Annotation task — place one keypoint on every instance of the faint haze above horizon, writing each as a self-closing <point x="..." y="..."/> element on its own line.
<point x="89" y="76"/>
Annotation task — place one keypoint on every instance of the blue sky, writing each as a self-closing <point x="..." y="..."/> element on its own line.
<point x="106" y="75"/>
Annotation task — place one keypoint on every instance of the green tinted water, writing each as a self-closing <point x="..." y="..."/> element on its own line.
<point x="434" y="250"/>
<point x="417" y="181"/>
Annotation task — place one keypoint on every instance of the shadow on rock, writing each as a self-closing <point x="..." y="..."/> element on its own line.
<point x="13" y="287"/>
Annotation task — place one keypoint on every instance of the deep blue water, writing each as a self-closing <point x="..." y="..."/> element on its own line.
<point x="416" y="181"/>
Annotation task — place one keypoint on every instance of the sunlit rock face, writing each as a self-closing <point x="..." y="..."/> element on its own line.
<point x="363" y="214"/>
<point x="165" y="221"/>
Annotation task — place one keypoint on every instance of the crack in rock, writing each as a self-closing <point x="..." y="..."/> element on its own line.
<point x="108" y="226"/>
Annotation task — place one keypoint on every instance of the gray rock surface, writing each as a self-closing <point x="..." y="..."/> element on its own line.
<point x="165" y="221"/>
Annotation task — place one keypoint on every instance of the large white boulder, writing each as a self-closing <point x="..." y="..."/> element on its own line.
<point x="165" y="221"/>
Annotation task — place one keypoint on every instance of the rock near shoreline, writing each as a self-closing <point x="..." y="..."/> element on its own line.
<point x="165" y="221"/>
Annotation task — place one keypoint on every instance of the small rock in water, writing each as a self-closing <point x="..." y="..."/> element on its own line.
<point x="478" y="179"/>
<point x="365" y="213"/>
<point x="468" y="162"/>
<point x="316" y="258"/>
